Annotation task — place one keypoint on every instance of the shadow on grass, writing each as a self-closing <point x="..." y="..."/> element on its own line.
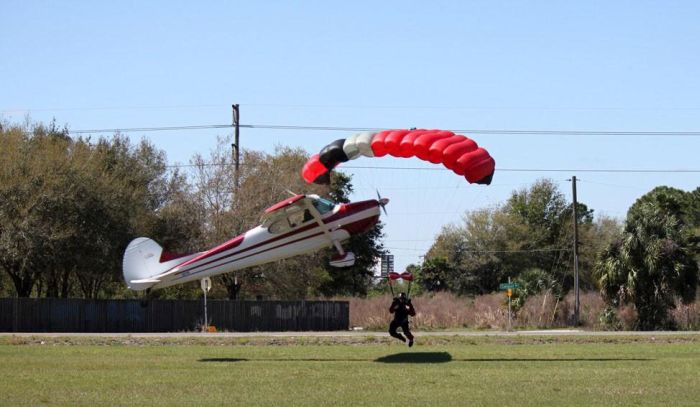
<point x="416" y="357"/>
<point x="225" y="360"/>
<point x="444" y="357"/>
<point x="408" y="357"/>
<point x="231" y="360"/>
<point x="426" y="357"/>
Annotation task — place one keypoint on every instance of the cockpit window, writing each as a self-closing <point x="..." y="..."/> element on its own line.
<point x="290" y="219"/>
<point x="323" y="205"/>
<point x="280" y="225"/>
<point x="294" y="216"/>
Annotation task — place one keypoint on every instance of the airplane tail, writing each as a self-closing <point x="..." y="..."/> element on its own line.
<point x="144" y="260"/>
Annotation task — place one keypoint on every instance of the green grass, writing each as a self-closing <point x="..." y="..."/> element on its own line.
<point x="309" y="371"/>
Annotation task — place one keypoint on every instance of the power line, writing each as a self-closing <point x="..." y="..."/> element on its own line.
<point x="624" y="170"/>
<point x="567" y="170"/>
<point x="489" y="251"/>
<point x="358" y="129"/>
<point x="149" y="129"/>
<point x="491" y="131"/>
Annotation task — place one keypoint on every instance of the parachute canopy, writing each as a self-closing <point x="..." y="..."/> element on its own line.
<point x="455" y="151"/>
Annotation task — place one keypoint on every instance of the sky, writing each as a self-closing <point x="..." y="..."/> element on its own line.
<point x="460" y="65"/>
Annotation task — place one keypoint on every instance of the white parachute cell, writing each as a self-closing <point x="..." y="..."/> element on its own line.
<point x="350" y="147"/>
<point x="363" y="141"/>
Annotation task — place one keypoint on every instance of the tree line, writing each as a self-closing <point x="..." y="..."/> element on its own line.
<point x="69" y="206"/>
<point x="649" y="260"/>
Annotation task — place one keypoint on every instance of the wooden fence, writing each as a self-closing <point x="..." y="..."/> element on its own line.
<point x="78" y="315"/>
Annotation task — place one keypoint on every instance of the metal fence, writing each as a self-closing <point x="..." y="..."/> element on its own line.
<point x="78" y="315"/>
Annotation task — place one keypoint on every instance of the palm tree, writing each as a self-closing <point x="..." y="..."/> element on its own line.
<point x="650" y="265"/>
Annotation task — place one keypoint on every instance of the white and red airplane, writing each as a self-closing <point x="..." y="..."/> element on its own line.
<point x="298" y="225"/>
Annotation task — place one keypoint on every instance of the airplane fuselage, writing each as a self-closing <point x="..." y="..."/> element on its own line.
<point x="261" y="245"/>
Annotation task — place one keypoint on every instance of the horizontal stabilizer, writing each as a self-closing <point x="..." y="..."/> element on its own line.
<point x="145" y="263"/>
<point x="142" y="284"/>
<point x="145" y="281"/>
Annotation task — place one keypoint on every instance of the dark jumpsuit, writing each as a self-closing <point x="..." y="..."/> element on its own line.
<point x="401" y="313"/>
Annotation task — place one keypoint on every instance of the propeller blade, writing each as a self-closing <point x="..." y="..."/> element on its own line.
<point x="382" y="203"/>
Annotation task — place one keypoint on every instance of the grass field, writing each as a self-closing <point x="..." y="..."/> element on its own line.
<point x="356" y="371"/>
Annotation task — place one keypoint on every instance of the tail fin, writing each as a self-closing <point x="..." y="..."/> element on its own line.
<point x="144" y="260"/>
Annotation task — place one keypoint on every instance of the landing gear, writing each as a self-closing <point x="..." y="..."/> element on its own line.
<point x="343" y="260"/>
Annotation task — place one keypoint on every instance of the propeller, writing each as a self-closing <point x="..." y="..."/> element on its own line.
<point x="382" y="202"/>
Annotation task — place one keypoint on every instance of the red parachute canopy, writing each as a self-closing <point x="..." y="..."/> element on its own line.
<point x="455" y="151"/>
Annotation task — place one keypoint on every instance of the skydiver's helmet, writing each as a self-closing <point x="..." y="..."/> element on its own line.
<point x="402" y="297"/>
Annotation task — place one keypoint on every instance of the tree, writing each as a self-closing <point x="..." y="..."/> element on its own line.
<point x="435" y="274"/>
<point x="685" y="206"/>
<point x="531" y="230"/>
<point x="229" y="210"/>
<point x="653" y="261"/>
<point x="533" y="282"/>
<point x="69" y="207"/>
<point x="30" y="200"/>
<point x="548" y="218"/>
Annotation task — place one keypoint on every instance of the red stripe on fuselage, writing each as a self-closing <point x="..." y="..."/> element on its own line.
<point x="235" y="242"/>
<point x="252" y="254"/>
<point x="362" y="224"/>
<point x="344" y="211"/>
<point x="207" y="255"/>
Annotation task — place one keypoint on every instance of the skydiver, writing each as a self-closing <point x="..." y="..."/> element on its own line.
<point x="401" y="307"/>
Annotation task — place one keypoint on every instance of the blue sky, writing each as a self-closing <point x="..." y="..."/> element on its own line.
<point x="598" y="66"/>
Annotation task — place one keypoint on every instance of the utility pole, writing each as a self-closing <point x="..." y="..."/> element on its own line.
<point x="236" y="143"/>
<point x="236" y="150"/>
<point x="577" y="303"/>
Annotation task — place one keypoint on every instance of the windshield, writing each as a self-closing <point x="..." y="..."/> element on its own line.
<point x="323" y="205"/>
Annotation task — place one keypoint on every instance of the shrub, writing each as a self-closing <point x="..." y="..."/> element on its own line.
<point x="445" y="310"/>
<point x="687" y="316"/>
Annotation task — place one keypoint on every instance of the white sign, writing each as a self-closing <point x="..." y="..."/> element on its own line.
<point x="206" y="284"/>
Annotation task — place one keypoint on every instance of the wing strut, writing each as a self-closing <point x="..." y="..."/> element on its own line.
<point x="343" y="259"/>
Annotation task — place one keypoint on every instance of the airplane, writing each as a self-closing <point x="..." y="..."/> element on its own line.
<point x="297" y="225"/>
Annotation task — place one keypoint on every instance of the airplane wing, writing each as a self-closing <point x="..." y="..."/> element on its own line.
<point x="283" y="207"/>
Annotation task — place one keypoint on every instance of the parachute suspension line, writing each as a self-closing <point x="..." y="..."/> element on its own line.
<point x="408" y="291"/>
